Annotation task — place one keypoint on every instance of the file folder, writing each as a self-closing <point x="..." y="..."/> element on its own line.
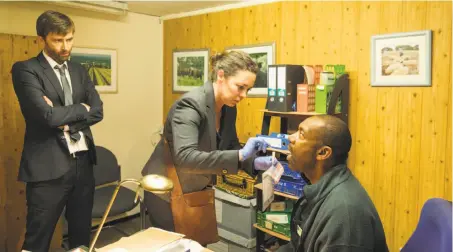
<point x="282" y="87"/>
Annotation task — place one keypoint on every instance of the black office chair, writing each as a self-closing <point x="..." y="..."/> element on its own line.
<point x="107" y="175"/>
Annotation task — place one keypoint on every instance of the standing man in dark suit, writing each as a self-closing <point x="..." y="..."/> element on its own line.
<point x="59" y="103"/>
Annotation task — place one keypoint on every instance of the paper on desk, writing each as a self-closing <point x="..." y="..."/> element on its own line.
<point x="270" y="178"/>
<point x="182" y="245"/>
<point x="151" y="239"/>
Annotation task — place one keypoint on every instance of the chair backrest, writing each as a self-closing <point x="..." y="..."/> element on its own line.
<point x="107" y="169"/>
<point x="433" y="231"/>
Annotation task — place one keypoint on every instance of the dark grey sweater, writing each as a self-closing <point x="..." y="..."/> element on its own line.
<point x="336" y="214"/>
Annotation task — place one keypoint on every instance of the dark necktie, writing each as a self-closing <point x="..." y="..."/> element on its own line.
<point x="67" y="95"/>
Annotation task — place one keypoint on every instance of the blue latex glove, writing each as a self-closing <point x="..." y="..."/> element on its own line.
<point x="253" y="145"/>
<point x="264" y="163"/>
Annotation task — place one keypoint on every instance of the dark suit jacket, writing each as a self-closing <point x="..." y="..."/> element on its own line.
<point x="45" y="155"/>
<point x="190" y="130"/>
<point x="191" y="134"/>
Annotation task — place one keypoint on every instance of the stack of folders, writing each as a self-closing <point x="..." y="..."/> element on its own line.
<point x="282" y="86"/>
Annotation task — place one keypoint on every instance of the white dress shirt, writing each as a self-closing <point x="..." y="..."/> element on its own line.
<point x="80" y="145"/>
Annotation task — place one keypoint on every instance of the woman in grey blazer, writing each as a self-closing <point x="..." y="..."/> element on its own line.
<point x="201" y="132"/>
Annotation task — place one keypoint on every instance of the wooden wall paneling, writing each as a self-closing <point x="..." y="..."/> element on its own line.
<point x="216" y="37"/>
<point x="407" y="170"/>
<point x="302" y="31"/>
<point x="382" y="119"/>
<point x="5" y="59"/>
<point x="234" y="29"/>
<point x="12" y="192"/>
<point x="435" y="105"/>
<point x="316" y="45"/>
<point x="321" y="34"/>
<point x="205" y="31"/>
<point x="193" y="30"/>
<point x="258" y="30"/>
<point x="171" y="32"/>
<point x="253" y="24"/>
<point x="234" y="32"/>
<point x="15" y="133"/>
<point x="448" y="154"/>
<point x="291" y="29"/>
<point x="270" y="31"/>
<point x="175" y="32"/>
<point x="167" y="75"/>
<point x="365" y="133"/>
<point x="349" y="56"/>
<point x="332" y="17"/>
<point x="386" y="131"/>
<point x="448" y="167"/>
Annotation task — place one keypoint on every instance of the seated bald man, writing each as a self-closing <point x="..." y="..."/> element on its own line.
<point x="335" y="213"/>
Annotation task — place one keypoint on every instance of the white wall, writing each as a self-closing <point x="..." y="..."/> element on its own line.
<point x="135" y="112"/>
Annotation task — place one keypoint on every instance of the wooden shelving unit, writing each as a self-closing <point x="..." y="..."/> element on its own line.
<point x="341" y="90"/>
<point x="278" y="235"/>
<point x="289" y="196"/>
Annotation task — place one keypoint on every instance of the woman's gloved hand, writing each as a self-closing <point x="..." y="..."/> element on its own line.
<point x="253" y="145"/>
<point x="264" y="163"/>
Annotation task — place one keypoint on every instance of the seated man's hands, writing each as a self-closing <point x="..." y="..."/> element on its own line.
<point x="264" y="163"/>
<point x="253" y="145"/>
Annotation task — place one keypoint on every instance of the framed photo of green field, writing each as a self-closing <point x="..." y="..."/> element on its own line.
<point x="190" y="69"/>
<point x="401" y="59"/>
<point x="101" y="65"/>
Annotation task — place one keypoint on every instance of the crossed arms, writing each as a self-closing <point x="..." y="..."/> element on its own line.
<point x="37" y="106"/>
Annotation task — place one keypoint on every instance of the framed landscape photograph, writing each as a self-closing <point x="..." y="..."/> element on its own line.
<point x="190" y="69"/>
<point x="401" y="59"/>
<point x="101" y="65"/>
<point x="263" y="55"/>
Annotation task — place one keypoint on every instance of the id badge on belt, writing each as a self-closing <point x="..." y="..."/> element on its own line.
<point x="299" y="231"/>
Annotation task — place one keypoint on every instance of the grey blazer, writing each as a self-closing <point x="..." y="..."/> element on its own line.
<point x="191" y="134"/>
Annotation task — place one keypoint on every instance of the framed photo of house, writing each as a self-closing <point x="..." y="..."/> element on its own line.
<point x="401" y="59"/>
<point x="101" y="65"/>
<point x="263" y="55"/>
<point x="190" y="69"/>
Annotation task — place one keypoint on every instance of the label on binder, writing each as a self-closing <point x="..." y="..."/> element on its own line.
<point x="272" y="92"/>
<point x="281" y="81"/>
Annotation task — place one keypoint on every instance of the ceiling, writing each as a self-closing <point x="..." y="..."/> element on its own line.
<point x="163" y="8"/>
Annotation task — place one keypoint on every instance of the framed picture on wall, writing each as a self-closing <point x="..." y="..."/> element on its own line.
<point x="263" y="55"/>
<point x="101" y="65"/>
<point x="401" y="59"/>
<point x="190" y="69"/>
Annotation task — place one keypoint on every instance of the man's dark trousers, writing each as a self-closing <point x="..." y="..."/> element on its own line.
<point x="47" y="199"/>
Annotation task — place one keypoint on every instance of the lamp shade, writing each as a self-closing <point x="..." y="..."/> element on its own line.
<point x="156" y="184"/>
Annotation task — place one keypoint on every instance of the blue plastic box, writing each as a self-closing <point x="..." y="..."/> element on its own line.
<point x="291" y="182"/>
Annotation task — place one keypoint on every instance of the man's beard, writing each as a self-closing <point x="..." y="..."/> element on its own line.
<point x="57" y="57"/>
